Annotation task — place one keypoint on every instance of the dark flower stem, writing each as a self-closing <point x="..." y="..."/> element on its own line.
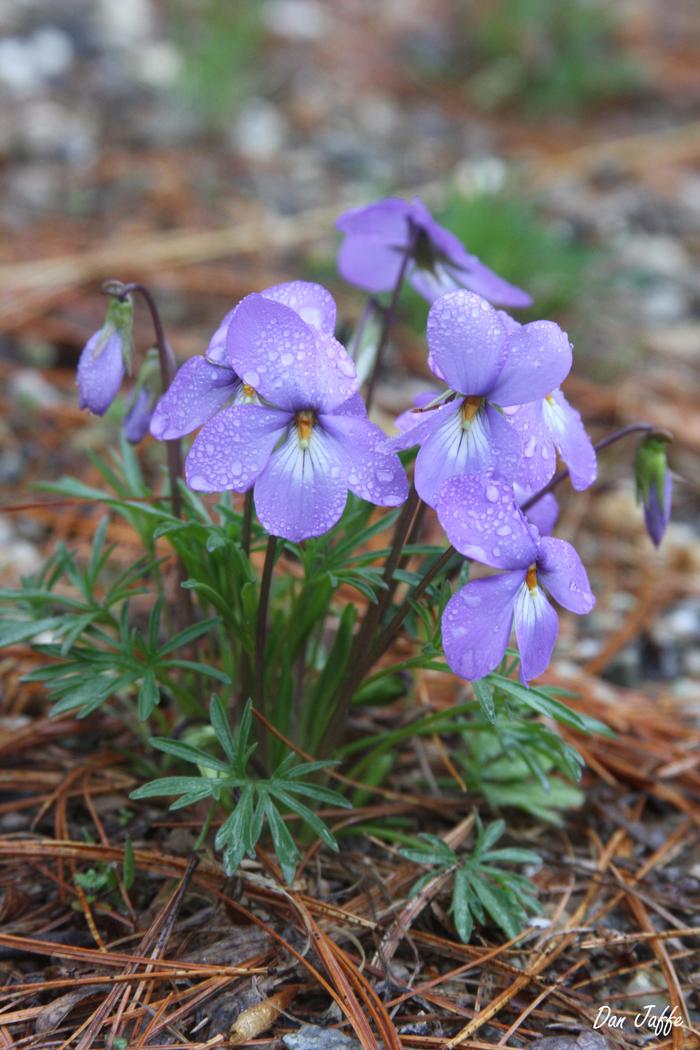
<point x="389" y="319"/>
<point x="246" y="529"/>
<point x="374" y="613"/>
<point x="168" y="367"/>
<point x="261" y="629"/>
<point x="405" y="558"/>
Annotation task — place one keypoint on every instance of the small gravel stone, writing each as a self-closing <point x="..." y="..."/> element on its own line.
<point x="260" y="130"/>
<point x="313" y="1037"/>
<point x="297" y="19"/>
<point x="29" y="386"/>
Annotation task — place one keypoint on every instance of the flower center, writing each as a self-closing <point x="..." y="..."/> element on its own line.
<point x="248" y="392"/>
<point x="469" y="409"/>
<point x="531" y="578"/>
<point x="304" y="422"/>
<point x="424" y="251"/>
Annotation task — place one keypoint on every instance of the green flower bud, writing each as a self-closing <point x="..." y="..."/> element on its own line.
<point x="653" y="479"/>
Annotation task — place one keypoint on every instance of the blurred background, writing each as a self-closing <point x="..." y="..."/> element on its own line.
<point x="206" y="146"/>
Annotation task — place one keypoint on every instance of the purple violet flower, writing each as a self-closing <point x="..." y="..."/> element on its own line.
<point x="105" y="358"/>
<point x="208" y="382"/>
<point x="483" y="521"/>
<point x="488" y="367"/>
<point x="377" y="238"/>
<point x="309" y="439"/>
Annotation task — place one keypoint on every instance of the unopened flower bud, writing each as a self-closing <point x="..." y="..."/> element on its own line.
<point x="653" y="479"/>
<point x="143" y="399"/>
<point x="106" y="358"/>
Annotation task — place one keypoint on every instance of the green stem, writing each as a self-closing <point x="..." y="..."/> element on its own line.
<point x="261" y="632"/>
<point x="201" y="838"/>
<point x="247" y="524"/>
<point x="375" y="613"/>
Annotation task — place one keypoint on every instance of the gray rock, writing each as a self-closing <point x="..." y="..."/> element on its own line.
<point x="126" y="24"/>
<point x="29" y="387"/>
<point x="297" y="19"/>
<point x="588" y="1040"/>
<point x="18" y="72"/>
<point x="260" y="130"/>
<point x="53" y="51"/>
<point x="313" y="1037"/>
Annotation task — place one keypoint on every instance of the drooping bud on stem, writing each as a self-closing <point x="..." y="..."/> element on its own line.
<point x="106" y="358"/>
<point x="146" y="392"/>
<point x="653" y="479"/>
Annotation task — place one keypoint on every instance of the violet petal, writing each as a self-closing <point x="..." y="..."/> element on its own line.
<point x="467" y="342"/>
<point x="483" y="521"/>
<point x="302" y="491"/>
<point x="233" y="448"/>
<point x="370" y="470"/>
<point x="536" y="628"/>
<point x="198" y="390"/>
<point x="286" y="360"/>
<point x="314" y="303"/>
<point x="570" y="437"/>
<point x="561" y="571"/>
<point x="476" y="624"/>
<point x="538" y="360"/>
